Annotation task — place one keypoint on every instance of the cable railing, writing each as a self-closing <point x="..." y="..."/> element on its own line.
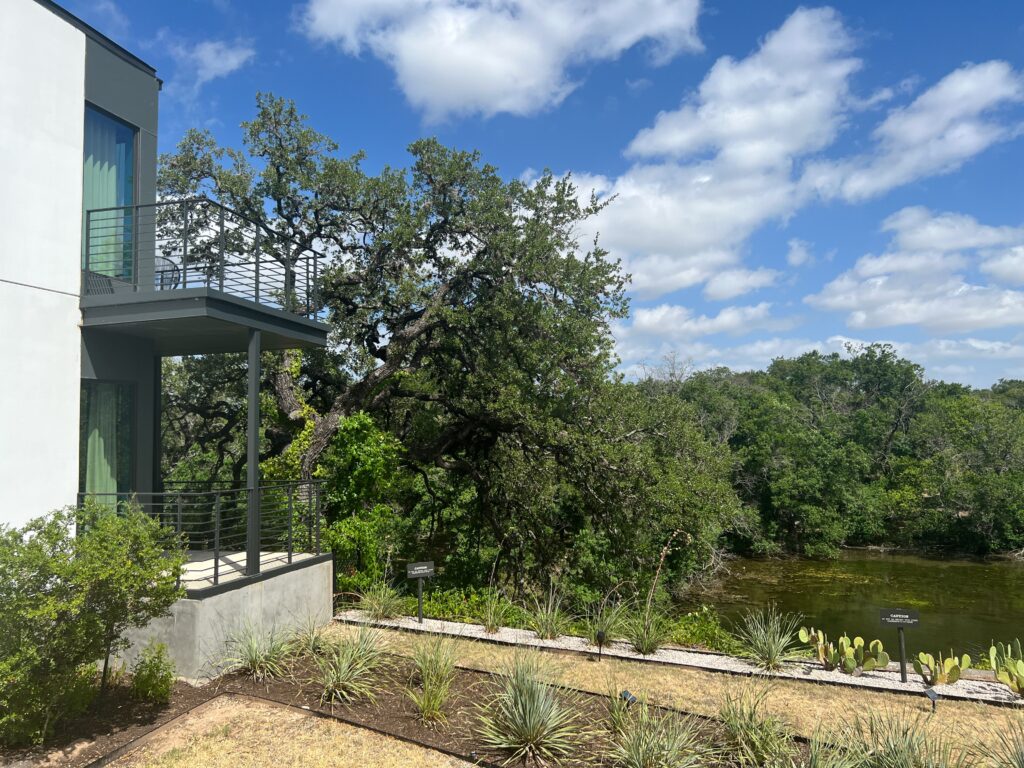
<point x="197" y="243"/>
<point x="214" y="525"/>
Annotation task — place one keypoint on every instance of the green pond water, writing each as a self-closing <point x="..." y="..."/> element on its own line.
<point x="963" y="603"/>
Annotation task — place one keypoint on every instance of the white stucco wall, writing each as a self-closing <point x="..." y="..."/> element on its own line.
<point x="42" y="97"/>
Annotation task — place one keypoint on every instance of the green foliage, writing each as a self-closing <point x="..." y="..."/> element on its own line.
<point x="68" y="599"/>
<point x="531" y="721"/>
<point x="999" y="653"/>
<point x="753" y="737"/>
<point x="309" y="638"/>
<point x="768" y="636"/>
<point x="1011" y="674"/>
<point x="900" y="739"/>
<point x="606" y="616"/>
<point x="646" y="738"/>
<point x="381" y="601"/>
<point x="258" y="654"/>
<point x="496" y="612"/>
<point x="703" y="628"/>
<point x="349" y="669"/>
<point x="547" y="617"/>
<point x="647" y="629"/>
<point x="435" y="671"/>
<point x="1007" y="749"/>
<point x="153" y="675"/>
<point x="940" y="671"/>
<point x="853" y="657"/>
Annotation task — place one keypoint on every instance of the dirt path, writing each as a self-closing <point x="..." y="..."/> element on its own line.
<point x="235" y="732"/>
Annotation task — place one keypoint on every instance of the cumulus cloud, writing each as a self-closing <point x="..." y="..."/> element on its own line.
<point x="201" y="62"/>
<point x="458" y="57"/>
<point x="736" y="282"/>
<point x="922" y="279"/>
<point x="948" y="124"/>
<point x="799" y="253"/>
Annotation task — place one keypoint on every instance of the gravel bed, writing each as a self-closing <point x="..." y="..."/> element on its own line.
<point x="986" y="691"/>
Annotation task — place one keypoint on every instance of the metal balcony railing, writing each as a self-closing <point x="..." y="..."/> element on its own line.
<point x="197" y="243"/>
<point x="213" y="523"/>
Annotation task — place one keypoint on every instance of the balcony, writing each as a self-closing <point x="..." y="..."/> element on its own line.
<point x="194" y="276"/>
<point x="224" y="550"/>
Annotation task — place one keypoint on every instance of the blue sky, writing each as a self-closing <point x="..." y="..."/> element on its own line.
<point x="786" y="177"/>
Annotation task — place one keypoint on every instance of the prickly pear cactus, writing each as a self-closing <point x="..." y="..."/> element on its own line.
<point x="940" y="671"/>
<point x="1011" y="674"/>
<point x="999" y="654"/>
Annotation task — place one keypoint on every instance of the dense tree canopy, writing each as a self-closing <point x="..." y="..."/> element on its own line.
<point x="468" y="408"/>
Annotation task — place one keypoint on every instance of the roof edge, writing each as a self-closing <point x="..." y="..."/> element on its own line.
<point x="94" y="34"/>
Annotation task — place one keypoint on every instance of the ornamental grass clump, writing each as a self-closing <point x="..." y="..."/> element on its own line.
<point x="381" y="601"/>
<point x="349" y="668"/>
<point x="548" y="619"/>
<point x="532" y="722"/>
<point x="900" y="739"/>
<point x="435" y="672"/>
<point x="1007" y="750"/>
<point x="647" y="630"/>
<point x="646" y="738"/>
<point x="605" y="619"/>
<point x="309" y="638"/>
<point x="259" y="655"/>
<point x="496" y="612"/>
<point x="768" y="636"/>
<point x="753" y="737"/>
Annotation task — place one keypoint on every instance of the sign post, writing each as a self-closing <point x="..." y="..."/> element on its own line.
<point x="900" y="618"/>
<point x="419" y="571"/>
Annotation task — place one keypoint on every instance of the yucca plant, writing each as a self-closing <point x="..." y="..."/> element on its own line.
<point x="533" y="722"/>
<point x="349" y="668"/>
<point x="496" y="612"/>
<point x="381" y="601"/>
<point x="606" y="616"/>
<point x="435" y="672"/>
<point x="1007" y="750"/>
<point x="754" y="737"/>
<point x="899" y="739"/>
<point x="650" y="739"/>
<point x="548" y="619"/>
<point x="309" y="638"/>
<point x="259" y="655"/>
<point x="768" y="636"/>
<point x="647" y="630"/>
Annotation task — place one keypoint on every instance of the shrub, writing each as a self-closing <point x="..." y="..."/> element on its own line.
<point x="548" y="619"/>
<point x="648" y="630"/>
<point x="648" y="739"/>
<point x="435" y="668"/>
<point x="703" y="628"/>
<point x="153" y="675"/>
<point x="381" y="601"/>
<point x="768" y="636"/>
<point x="348" y="668"/>
<point x="258" y="655"/>
<point x="752" y="737"/>
<point x="68" y="597"/>
<point x="528" y="719"/>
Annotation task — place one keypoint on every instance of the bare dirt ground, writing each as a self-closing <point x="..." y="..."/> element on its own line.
<point x="235" y="732"/>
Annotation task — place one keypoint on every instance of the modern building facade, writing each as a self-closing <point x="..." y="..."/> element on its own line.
<point x="99" y="281"/>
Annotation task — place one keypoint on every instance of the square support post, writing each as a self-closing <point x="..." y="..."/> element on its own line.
<point x="252" y="475"/>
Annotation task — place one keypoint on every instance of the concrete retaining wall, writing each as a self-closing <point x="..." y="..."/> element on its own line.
<point x="196" y="632"/>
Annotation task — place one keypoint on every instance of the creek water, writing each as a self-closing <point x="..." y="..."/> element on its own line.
<point x="964" y="604"/>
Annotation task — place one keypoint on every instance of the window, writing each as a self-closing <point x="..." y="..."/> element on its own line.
<point x="106" y="437"/>
<point x="108" y="182"/>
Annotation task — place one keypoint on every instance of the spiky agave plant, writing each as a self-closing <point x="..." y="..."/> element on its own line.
<point x="768" y="635"/>
<point x="531" y="721"/>
<point x="435" y="672"/>
<point x="349" y="668"/>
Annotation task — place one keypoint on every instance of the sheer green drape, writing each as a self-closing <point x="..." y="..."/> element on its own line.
<point x="108" y="181"/>
<point x="106" y="438"/>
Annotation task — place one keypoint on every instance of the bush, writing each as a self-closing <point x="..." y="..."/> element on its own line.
<point x="381" y="601"/>
<point x="703" y="628"/>
<point x="648" y="739"/>
<point x="528" y="719"/>
<point x="754" y="738"/>
<point x="257" y="654"/>
<point x="648" y="630"/>
<point x="435" y="668"/>
<point x="348" y="668"/>
<point x="68" y="597"/>
<point x="153" y="675"/>
<point x="768" y="636"/>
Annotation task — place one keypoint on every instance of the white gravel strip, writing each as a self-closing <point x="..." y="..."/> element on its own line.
<point x="987" y="691"/>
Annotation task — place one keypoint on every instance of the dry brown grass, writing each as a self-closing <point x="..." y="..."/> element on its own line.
<point x="240" y="733"/>
<point x="804" y="705"/>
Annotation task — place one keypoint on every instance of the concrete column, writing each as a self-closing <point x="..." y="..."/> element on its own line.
<point x="252" y="475"/>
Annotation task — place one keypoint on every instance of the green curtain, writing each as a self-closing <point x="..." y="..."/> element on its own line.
<point x="106" y="438"/>
<point x="108" y="180"/>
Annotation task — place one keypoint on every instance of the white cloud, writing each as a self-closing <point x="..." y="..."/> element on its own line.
<point x="942" y="128"/>
<point x="799" y="253"/>
<point x="457" y="57"/>
<point x="204" y="61"/>
<point x="736" y="282"/>
<point x="921" y="281"/>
